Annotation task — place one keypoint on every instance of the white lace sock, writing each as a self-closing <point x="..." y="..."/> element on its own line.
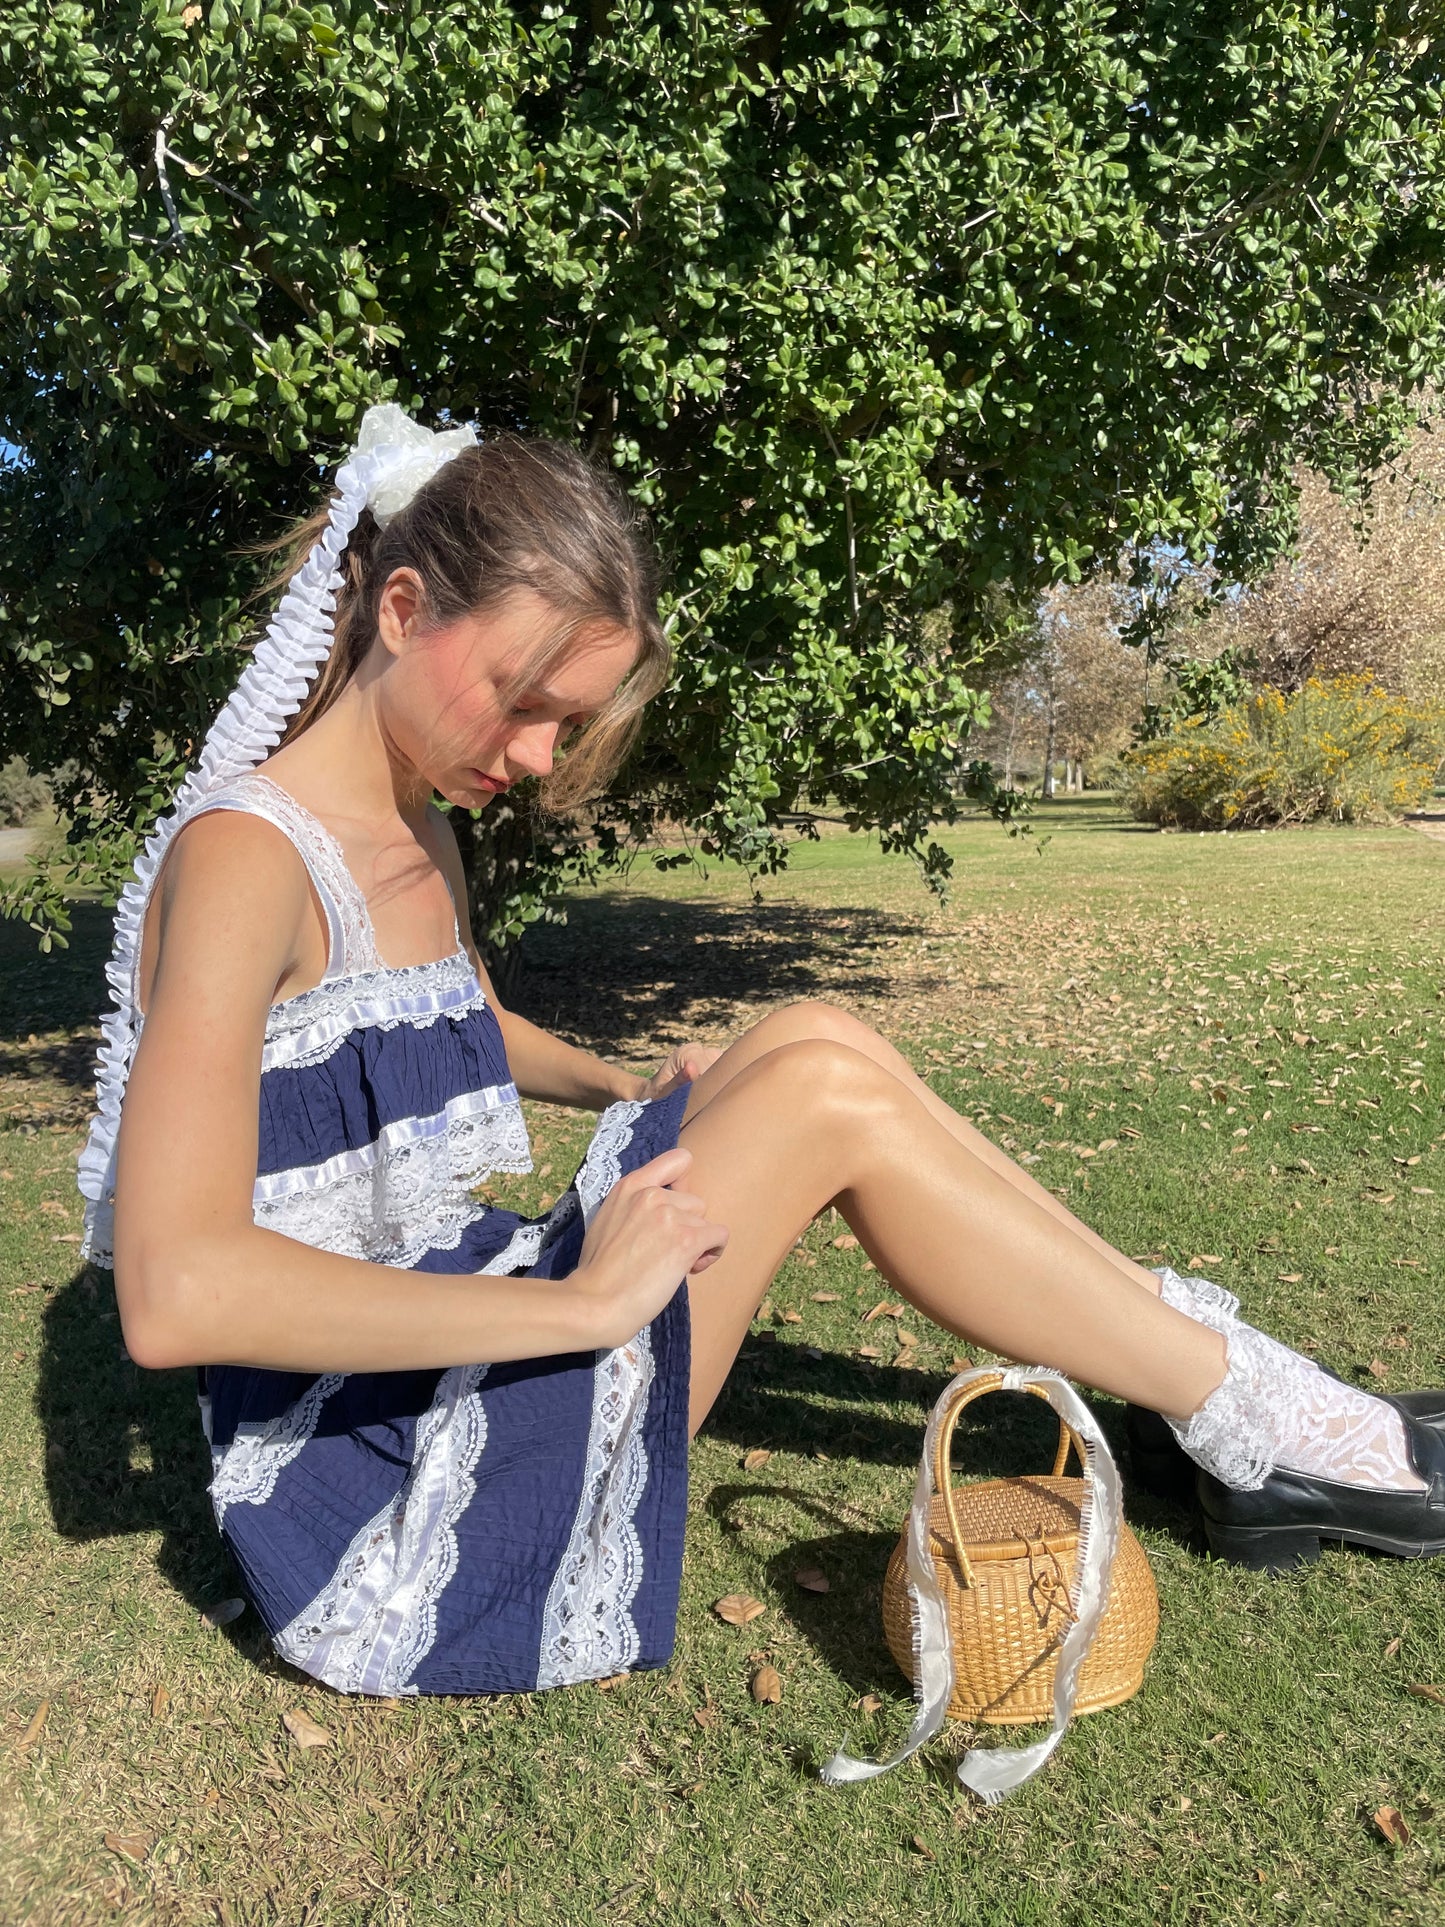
<point x="1197" y="1298"/>
<point x="1275" y="1408"/>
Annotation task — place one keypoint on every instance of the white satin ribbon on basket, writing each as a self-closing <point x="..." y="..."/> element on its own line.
<point x="991" y="1772"/>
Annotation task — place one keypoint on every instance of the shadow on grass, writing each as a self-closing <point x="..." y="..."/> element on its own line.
<point x="124" y="1451"/>
<point x="780" y="1397"/>
<point x="625" y="966"/>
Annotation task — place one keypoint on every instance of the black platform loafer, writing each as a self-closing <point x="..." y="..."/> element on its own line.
<point x="1162" y="1468"/>
<point x="1281" y="1525"/>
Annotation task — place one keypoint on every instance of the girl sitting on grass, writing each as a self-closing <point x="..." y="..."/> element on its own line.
<point x="449" y="1442"/>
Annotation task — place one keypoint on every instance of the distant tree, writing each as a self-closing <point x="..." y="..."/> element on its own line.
<point x="1077" y="694"/>
<point x="877" y="308"/>
<point x="1362" y="592"/>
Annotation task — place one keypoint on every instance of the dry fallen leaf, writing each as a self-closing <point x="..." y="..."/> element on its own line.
<point x="224" y="1612"/>
<point x="767" y="1686"/>
<point x="1377" y="1368"/>
<point x="612" y="1679"/>
<point x="906" y="1337"/>
<point x="826" y="1297"/>
<point x="960" y="1364"/>
<point x="1290" y="1277"/>
<point x="755" y="1460"/>
<point x="791" y="1317"/>
<point x="883" y="1309"/>
<point x="160" y="1702"/>
<point x="739" y="1608"/>
<point x="1392" y="1648"/>
<point x="811" y="1579"/>
<point x="1424" y="1692"/>
<point x="130" y="1846"/>
<point x="1205" y="1258"/>
<point x="869" y="1351"/>
<point x="1391" y="1823"/>
<point x="32" y="1732"/>
<point x="705" y="1716"/>
<point x="304" y="1730"/>
<point x="869" y="1704"/>
<point x="920" y="1845"/>
<point x="846" y="1243"/>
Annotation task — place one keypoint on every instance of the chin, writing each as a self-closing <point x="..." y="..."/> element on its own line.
<point x="460" y="793"/>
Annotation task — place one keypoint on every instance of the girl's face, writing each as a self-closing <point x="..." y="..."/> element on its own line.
<point x="444" y="695"/>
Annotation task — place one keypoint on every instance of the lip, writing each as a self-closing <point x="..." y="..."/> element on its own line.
<point x="481" y="781"/>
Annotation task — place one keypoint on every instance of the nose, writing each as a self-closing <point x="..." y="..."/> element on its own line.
<point x="533" y="749"/>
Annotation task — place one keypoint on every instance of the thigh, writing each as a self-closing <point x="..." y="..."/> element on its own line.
<point x="769" y="1151"/>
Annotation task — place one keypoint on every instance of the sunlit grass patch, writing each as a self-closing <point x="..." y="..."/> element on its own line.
<point x="1221" y="1050"/>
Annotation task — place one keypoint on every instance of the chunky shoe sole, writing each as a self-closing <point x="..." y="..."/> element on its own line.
<point x="1282" y="1549"/>
<point x="1280" y="1525"/>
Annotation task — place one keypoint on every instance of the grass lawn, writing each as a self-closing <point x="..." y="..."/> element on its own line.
<point x="1220" y="1049"/>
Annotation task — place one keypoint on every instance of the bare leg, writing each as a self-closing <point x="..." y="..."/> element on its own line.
<point x="817" y="1122"/>
<point x="806" y="1022"/>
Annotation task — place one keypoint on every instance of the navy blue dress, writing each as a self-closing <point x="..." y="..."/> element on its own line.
<point x="488" y="1528"/>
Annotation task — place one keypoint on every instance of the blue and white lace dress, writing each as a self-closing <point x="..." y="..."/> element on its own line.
<point x="489" y="1528"/>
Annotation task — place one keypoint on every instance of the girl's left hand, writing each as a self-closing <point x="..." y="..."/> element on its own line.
<point x="681" y="1066"/>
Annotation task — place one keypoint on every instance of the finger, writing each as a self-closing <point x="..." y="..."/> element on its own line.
<point x="663" y="1170"/>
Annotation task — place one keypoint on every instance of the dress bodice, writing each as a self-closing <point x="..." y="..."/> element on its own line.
<point x="385" y="1095"/>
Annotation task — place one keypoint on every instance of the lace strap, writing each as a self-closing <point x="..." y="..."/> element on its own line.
<point x="352" y="941"/>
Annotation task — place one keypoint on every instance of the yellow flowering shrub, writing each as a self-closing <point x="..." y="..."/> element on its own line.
<point x="1343" y="750"/>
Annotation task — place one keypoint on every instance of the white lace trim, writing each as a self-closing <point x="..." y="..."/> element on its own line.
<point x="261" y="795"/>
<point x="247" y="1471"/>
<point x="1198" y="1298"/>
<point x="587" y="1627"/>
<point x="367" y="1630"/>
<point x="1275" y="1408"/>
<point x="408" y="1192"/>
<point x="418" y="996"/>
<point x="373" y="1623"/>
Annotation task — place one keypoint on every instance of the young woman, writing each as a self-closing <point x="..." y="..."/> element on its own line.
<point x="450" y="1443"/>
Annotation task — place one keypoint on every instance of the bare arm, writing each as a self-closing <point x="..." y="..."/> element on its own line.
<point x="198" y="1282"/>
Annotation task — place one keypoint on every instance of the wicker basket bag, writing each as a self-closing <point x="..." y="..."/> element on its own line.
<point x="1005" y="1552"/>
<point x="1013" y="1599"/>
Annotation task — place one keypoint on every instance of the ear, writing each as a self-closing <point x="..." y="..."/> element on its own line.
<point x="400" y="610"/>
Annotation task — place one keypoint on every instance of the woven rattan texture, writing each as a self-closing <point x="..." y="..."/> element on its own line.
<point x="1021" y="1536"/>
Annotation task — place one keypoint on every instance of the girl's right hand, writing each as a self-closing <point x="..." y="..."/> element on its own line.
<point x="646" y="1237"/>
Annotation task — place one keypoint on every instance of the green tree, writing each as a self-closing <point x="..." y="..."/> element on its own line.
<point x="878" y="309"/>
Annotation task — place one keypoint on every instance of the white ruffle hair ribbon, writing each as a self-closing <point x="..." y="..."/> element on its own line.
<point x="991" y="1772"/>
<point x="392" y="459"/>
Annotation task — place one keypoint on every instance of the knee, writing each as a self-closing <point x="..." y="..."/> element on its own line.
<point x="820" y="1079"/>
<point x="812" y="1020"/>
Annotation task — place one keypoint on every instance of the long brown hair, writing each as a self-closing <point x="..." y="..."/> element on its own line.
<point x="518" y="512"/>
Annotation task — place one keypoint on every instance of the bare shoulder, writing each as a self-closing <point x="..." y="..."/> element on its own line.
<point x="232" y="904"/>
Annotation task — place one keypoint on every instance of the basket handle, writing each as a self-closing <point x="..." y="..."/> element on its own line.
<point x="990" y="1772"/>
<point x="964" y="1395"/>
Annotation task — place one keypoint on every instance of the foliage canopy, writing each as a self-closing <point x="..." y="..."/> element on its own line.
<point x="878" y="309"/>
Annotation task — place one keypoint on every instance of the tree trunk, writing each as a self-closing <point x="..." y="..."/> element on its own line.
<point x="1047" y="789"/>
<point x="497" y="847"/>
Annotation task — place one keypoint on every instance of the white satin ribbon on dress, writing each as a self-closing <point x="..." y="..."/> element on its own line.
<point x="991" y="1772"/>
